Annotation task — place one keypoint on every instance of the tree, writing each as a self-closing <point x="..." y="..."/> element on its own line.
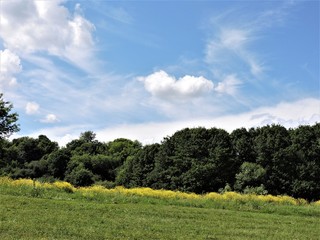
<point x="194" y="160"/>
<point x="80" y="176"/>
<point x="86" y="144"/>
<point x="45" y="145"/>
<point x="27" y="149"/>
<point x="7" y="120"/>
<point x="251" y="175"/>
<point x="270" y="145"/>
<point x="242" y="144"/>
<point x="88" y="136"/>
<point x="136" y="169"/>
<point x="57" y="163"/>
<point x="120" y="149"/>
<point x="305" y="150"/>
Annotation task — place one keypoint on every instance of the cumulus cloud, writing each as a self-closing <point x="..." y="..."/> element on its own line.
<point x="9" y="66"/>
<point x="30" y="26"/>
<point x="162" y="85"/>
<point x="32" y="108"/>
<point x="50" y="118"/>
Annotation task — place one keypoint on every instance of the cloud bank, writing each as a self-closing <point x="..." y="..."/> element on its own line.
<point x="288" y="114"/>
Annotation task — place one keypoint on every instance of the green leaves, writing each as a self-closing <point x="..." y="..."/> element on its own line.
<point x="7" y="119"/>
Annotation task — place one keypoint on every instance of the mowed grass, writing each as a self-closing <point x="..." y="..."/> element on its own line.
<point x="23" y="217"/>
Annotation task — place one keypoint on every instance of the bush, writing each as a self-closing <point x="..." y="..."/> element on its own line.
<point x="80" y="176"/>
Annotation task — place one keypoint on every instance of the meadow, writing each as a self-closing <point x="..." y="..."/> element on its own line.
<point x="34" y="210"/>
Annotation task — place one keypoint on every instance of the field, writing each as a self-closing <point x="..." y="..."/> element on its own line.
<point x="29" y="210"/>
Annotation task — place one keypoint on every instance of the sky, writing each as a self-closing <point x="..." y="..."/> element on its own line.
<point x="144" y="69"/>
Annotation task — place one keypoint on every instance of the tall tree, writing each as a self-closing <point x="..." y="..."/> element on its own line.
<point x="136" y="169"/>
<point x="306" y="152"/>
<point x="7" y="119"/>
<point x="196" y="160"/>
<point x="270" y="144"/>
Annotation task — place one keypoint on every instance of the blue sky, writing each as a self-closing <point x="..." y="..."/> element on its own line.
<point x="145" y="69"/>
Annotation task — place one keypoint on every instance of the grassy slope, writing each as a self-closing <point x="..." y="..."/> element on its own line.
<point x="24" y="217"/>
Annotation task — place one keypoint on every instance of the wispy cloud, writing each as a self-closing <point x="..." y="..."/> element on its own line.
<point x="233" y="34"/>
<point x="119" y="14"/>
<point x="229" y="46"/>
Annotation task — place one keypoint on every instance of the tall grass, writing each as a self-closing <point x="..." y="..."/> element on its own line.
<point x="59" y="189"/>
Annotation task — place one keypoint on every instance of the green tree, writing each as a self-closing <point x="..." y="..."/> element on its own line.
<point x="251" y="175"/>
<point x="4" y="145"/>
<point x="305" y="151"/>
<point x="242" y="143"/>
<point x="136" y="170"/>
<point x="86" y="144"/>
<point x="270" y="143"/>
<point x="45" y="145"/>
<point x="27" y="149"/>
<point x="120" y="149"/>
<point x="195" y="160"/>
<point x="104" y="167"/>
<point x="7" y="119"/>
<point x="88" y="136"/>
<point x="57" y="163"/>
<point x="80" y="176"/>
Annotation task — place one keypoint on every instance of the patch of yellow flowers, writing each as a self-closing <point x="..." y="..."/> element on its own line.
<point x="148" y="192"/>
<point x="36" y="184"/>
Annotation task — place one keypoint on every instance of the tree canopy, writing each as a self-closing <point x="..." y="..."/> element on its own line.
<point x="269" y="159"/>
<point x="8" y="119"/>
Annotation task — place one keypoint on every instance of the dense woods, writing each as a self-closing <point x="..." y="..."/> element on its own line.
<point x="269" y="159"/>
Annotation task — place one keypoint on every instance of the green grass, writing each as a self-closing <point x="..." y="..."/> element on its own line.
<point x="68" y="216"/>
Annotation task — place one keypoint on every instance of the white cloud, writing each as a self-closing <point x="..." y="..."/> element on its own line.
<point x="255" y="67"/>
<point x="229" y="85"/>
<point x="32" y="108"/>
<point x="50" y="118"/>
<point x="234" y="38"/>
<point x="228" y="49"/>
<point x="32" y="26"/>
<point x="288" y="114"/>
<point x="9" y="66"/>
<point x="162" y="85"/>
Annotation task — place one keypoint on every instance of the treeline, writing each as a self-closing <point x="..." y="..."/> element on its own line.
<point x="269" y="159"/>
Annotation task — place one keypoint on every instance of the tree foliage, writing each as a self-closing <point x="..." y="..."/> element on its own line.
<point x="269" y="159"/>
<point x="8" y="120"/>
